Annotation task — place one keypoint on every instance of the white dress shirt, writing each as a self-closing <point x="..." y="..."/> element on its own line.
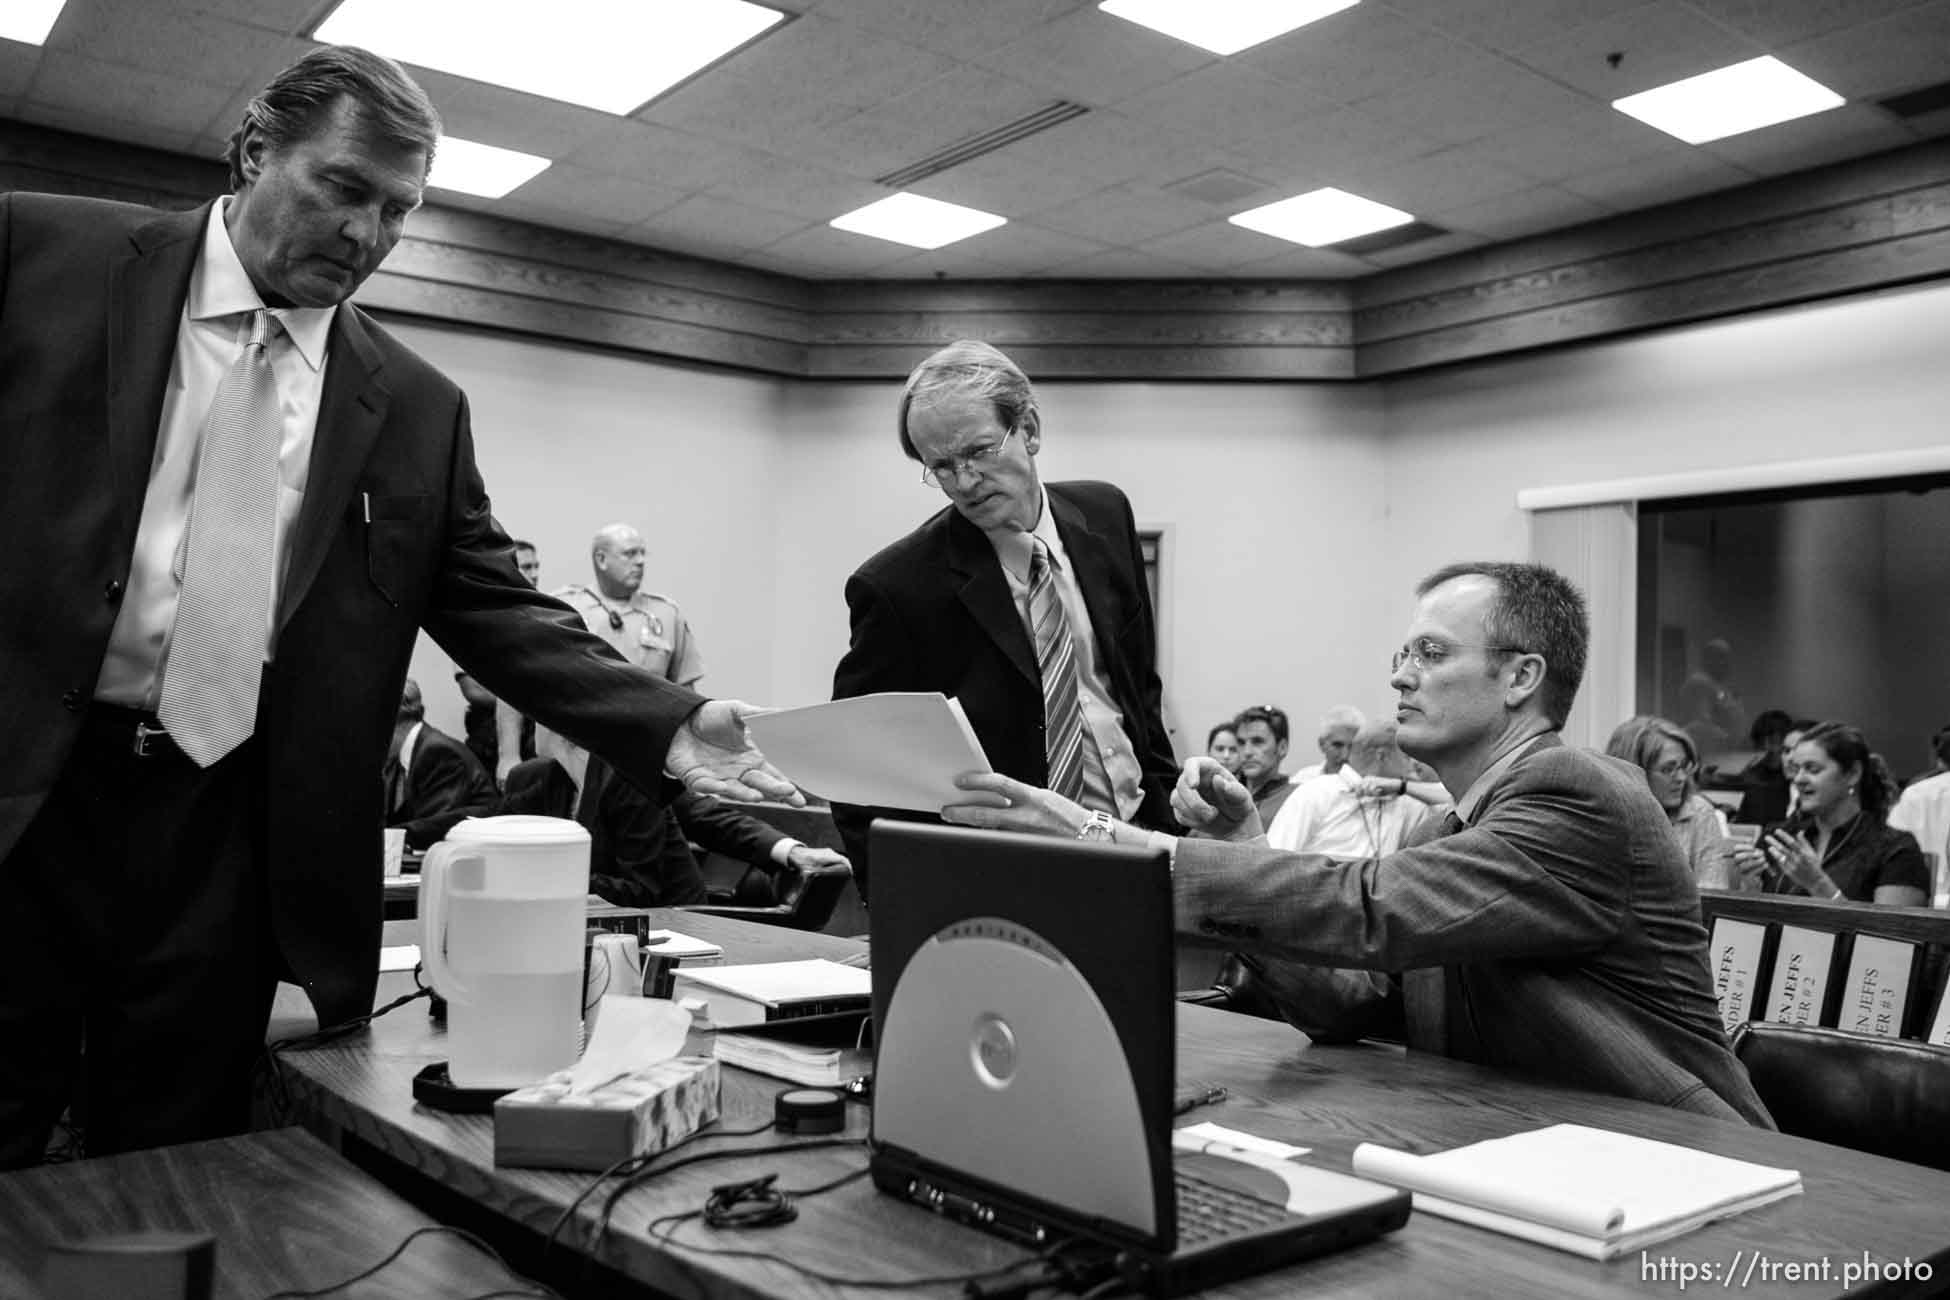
<point x="1924" y="811"/>
<point x="213" y="329"/>
<point x="1100" y="716"/>
<point x="1328" y="815"/>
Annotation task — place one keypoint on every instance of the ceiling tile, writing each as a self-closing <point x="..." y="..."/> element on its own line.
<point x="963" y="103"/>
<point x="1426" y="250"/>
<point x="514" y="208"/>
<point x="1901" y="52"/>
<point x="1442" y="180"/>
<point x="1296" y="262"/>
<point x="727" y="225"/>
<point x="1215" y="246"/>
<point x="811" y="71"/>
<point x="1360" y="52"/>
<point x="1126" y="214"/>
<point x="1459" y="109"/>
<point x="110" y="92"/>
<point x="822" y="250"/>
<point x="1504" y="24"/>
<point x="1851" y="131"/>
<point x="1123" y="264"/>
<point x="1093" y="58"/>
<point x="1654" y="44"/>
<point x="17" y="65"/>
<point x="599" y="196"/>
<point x="168" y="37"/>
<point x="147" y="134"/>
<point x="962" y="28"/>
<point x="1323" y="149"/>
<point x="1524" y="213"/>
<point x="1780" y="22"/>
<point x="796" y="187"/>
<point x="1572" y="143"/>
<point x="627" y="147"/>
<point x="286" y="16"/>
<point x="1011" y="250"/>
<point x="1651" y="181"/>
<point x="1007" y="187"/>
<point x="513" y="119"/>
<point x="1224" y="103"/>
<point x="1108" y="148"/>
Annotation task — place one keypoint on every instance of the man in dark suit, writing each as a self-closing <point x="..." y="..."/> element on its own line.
<point x="1550" y="926"/>
<point x="230" y="503"/>
<point x="433" y="782"/>
<point x="953" y="606"/>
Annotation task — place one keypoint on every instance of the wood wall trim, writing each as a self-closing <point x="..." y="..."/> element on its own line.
<point x="1856" y="226"/>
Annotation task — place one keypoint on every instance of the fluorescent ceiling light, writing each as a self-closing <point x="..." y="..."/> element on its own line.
<point x="483" y="169"/>
<point x="613" y="55"/>
<point x="1224" y="26"/>
<point x="1322" y="217"/>
<point x="1743" y="97"/>
<point x="921" y="223"/>
<point x="29" y="21"/>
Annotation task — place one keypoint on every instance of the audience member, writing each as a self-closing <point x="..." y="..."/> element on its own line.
<point x="1222" y="743"/>
<point x="1337" y="728"/>
<point x="195" y="728"/>
<point x="1358" y="812"/>
<point x="1924" y="809"/>
<point x="479" y="722"/>
<point x="1263" y="738"/>
<point x="648" y="630"/>
<point x="1839" y="844"/>
<point x="1714" y="716"/>
<point x="1667" y="757"/>
<point x="1554" y="929"/>
<point x="1764" y="782"/>
<point x="1026" y="602"/>
<point x="432" y="780"/>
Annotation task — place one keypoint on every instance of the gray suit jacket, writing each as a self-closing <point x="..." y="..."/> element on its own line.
<point x="1564" y="920"/>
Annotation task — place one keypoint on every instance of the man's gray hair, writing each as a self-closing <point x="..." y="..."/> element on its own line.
<point x="1342" y="715"/>
<point x="967" y="368"/>
<point x="298" y="99"/>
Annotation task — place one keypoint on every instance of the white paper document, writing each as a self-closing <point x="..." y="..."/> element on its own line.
<point x="895" y="750"/>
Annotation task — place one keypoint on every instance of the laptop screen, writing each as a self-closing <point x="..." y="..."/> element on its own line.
<point x="1025" y="1026"/>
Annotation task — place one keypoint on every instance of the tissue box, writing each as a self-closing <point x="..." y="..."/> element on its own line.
<point x="543" y="1127"/>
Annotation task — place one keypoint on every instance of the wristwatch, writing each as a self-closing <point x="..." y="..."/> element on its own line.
<point x="1095" y="827"/>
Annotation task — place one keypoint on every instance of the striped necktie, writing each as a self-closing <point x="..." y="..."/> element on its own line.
<point x="216" y="650"/>
<point x="1076" y="770"/>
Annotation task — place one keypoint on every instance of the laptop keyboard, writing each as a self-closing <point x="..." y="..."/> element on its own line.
<point x="1210" y="1212"/>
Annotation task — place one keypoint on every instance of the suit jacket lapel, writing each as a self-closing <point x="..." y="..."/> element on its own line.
<point x="985" y="593"/>
<point x="146" y="294"/>
<point x="1090" y="558"/>
<point x="350" y="411"/>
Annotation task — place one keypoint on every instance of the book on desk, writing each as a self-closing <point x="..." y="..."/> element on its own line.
<point x="779" y="990"/>
<point x="816" y="1051"/>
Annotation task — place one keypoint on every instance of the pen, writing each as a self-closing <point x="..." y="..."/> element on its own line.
<point x="365" y="499"/>
<point x="1197" y="1097"/>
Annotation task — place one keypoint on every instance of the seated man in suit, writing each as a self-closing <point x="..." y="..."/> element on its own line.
<point x="1550" y="925"/>
<point x="639" y="852"/>
<point x="1027" y="602"/>
<point x="433" y="782"/>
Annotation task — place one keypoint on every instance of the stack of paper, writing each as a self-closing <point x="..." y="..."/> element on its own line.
<point x="780" y="990"/>
<point x="1585" y="1190"/>
<point x="900" y="749"/>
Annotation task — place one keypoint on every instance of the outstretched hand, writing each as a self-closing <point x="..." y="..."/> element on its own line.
<point x="1212" y="801"/>
<point x="1000" y="803"/>
<point x="713" y="753"/>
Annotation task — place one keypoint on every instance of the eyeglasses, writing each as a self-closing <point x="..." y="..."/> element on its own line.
<point x="1427" y="653"/>
<point x="949" y="469"/>
<point x="1669" y="770"/>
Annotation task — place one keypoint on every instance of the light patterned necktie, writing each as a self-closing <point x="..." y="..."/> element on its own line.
<point x="1076" y="770"/>
<point x="216" y="652"/>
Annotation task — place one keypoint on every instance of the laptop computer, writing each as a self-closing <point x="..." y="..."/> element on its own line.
<point x="1025" y="1063"/>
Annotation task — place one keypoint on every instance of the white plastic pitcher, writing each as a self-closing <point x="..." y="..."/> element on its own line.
<point x="503" y="902"/>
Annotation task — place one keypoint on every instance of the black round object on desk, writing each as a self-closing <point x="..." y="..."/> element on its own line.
<point x="804" y="1111"/>
<point x="432" y="1087"/>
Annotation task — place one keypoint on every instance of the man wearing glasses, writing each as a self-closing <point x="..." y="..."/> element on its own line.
<point x="1025" y="601"/>
<point x="1550" y="926"/>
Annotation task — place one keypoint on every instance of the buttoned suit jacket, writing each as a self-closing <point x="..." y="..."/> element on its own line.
<point x="394" y="535"/>
<point x="933" y="612"/>
<point x="1564" y="921"/>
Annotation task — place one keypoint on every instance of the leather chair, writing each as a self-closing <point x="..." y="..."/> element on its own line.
<point x="1886" y="1096"/>
<point x="1237" y="987"/>
<point x="806" y="899"/>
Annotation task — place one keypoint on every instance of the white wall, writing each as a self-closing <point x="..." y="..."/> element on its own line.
<point x="1300" y="515"/>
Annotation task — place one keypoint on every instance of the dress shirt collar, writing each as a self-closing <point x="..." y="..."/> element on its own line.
<point x="407" y="745"/>
<point x="220" y="287"/>
<point x="1016" y="549"/>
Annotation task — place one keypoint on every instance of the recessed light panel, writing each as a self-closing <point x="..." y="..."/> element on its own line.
<point x="482" y="169"/>
<point x="28" y="21"/>
<point x="612" y="55"/>
<point x="1224" y="26"/>
<point x="1743" y="97"/>
<point x="918" y="222"/>
<point x="1322" y="217"/>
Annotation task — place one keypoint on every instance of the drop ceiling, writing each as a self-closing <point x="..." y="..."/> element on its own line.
<point x="1489" y="119"/>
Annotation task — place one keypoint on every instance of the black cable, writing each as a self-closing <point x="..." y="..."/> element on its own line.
<point x="534" y="1290"/>
<point x="280" y="1098"/>
<point x="631" y="1166"/>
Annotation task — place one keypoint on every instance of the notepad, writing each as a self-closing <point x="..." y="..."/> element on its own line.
<point x="1585" y="1190"/>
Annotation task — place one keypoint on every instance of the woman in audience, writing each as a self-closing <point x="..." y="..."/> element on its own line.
<point x="1839" y="845"/>
<point x="1667" y="757"/>
<point x="1222" y="743"/>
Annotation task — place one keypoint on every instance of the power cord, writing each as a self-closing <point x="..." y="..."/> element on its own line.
<point x="533" y="1290"/>
<point x="280" y="1096"/>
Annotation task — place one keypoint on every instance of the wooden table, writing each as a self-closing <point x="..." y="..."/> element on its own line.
<point x="287" y="1213"/>
<point x="1327" y="1098"/>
